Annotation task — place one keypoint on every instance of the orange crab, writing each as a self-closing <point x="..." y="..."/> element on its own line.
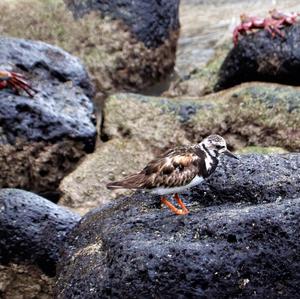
<point x="16" y="82"/>
<point x="272" y="24"/>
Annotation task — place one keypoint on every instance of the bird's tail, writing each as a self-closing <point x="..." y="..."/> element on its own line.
<point x="134" y="181"/>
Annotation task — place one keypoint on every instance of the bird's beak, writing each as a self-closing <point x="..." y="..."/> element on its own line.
<point x="230" y="154"/>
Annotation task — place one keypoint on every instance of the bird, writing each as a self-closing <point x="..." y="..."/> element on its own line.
<point x="177" y="170"/>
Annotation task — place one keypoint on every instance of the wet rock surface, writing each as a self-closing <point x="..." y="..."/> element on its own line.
<point x="150" y="21"/>
<point x="260" y="57"/>
<point x="42" y="138"/>
<point x="32" y="229"/>
<point x="200" y="81"/>
<point x="242" y="228"/>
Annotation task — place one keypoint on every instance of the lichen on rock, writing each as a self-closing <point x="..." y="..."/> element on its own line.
<point x="253" y="114"/>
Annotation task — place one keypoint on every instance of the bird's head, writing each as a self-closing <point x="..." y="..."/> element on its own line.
<point x="215" y="145"/>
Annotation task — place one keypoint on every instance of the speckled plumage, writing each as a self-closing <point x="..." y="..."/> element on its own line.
<point x="177" y="170"/>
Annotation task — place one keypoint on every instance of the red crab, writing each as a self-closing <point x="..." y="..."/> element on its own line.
<point x="16" y="82"/>
<point x="272" y="24"/>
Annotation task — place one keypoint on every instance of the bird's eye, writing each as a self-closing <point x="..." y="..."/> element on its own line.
<point x="219" y="146"/>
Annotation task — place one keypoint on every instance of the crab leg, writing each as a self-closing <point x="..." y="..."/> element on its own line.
<point x="277" y="30"/>
<point x="15" y="85"/>
<point x="18" y="82"/>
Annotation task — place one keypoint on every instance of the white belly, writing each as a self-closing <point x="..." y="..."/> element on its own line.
<point x="163" y="191"/>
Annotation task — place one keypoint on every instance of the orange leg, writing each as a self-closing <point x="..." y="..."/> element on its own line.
<point x="182" y="211"/>
<point x="180" y="202"/>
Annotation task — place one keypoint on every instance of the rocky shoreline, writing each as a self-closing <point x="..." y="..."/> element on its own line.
<point x="64" y="235"/>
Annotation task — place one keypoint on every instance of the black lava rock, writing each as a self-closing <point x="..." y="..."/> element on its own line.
<point x="32" y="229"/>
<point x="253" y="179"/>
<point x="47" y="62"/>
<point x="44" y="136"/>
<point x="244" y="245"/>
<point x="150" y="21"/>
<point x="261" y="57"/>
<point x="59" y="109"/>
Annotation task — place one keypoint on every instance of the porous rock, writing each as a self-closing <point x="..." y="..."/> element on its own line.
<point x="42" y="138"/>
<point x="244" y="244"/>
<point x="32" y="229"/>
<point x="141" y="40"/>
<point x="261" y="57"/>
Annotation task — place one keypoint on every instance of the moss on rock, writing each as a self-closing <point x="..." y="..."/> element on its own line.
<point x="253" y="114"/>
<point x="262" y="150"/>
<point x="154" y="121"/>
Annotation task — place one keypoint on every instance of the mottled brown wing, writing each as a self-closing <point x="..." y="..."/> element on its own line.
<point x="177" y="168"/>
<point x="174" y="168"/>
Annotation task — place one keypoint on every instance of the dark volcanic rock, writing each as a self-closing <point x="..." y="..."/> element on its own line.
<point x="151" y="21"/>
<point x="259" y="57"/>
<point x="44" y="136"/>
<point x="246" y="245"/>
<point x="253" y="179"/>
<point x="32" y="229"/>
<point x="137" y="41"/>
<point x="49" y="64"/>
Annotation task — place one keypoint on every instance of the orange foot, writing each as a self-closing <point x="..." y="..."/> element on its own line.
<point x="182" y="211"/>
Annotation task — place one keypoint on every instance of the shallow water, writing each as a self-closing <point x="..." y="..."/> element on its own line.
<point x="205" y="24"/>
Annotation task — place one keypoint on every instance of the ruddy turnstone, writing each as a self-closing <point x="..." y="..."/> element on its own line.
<point x="177" y="170"/>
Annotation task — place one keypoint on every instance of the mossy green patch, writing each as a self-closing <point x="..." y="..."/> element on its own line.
<point x="258" y="114"/>
<point x="251" y="114"/>
<point x="262" y="150"/>
<point x="146" y="118"/>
